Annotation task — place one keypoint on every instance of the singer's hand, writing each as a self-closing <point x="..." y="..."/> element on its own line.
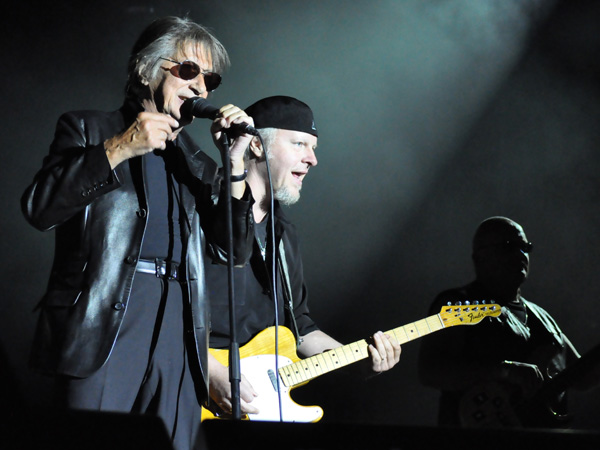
<point x="149" y="131"/>
<point x="228" y="115"/>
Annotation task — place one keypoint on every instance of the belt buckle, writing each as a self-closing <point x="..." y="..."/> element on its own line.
<point x="172" y="270"/>
<point x="166" y="269"/>
<point x="159" y="268"/>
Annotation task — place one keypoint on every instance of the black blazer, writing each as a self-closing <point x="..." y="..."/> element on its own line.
<point x="99" y="217"/>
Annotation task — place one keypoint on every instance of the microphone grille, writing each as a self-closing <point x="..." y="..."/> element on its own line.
<point x="197" y="107"/>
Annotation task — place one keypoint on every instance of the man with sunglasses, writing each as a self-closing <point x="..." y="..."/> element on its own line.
<point x="497" y="373"/>
<point x="278" y="164"/>
<point x="133" y="201"/>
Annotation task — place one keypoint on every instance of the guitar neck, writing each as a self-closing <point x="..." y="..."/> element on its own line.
<point x="305" y="370"/>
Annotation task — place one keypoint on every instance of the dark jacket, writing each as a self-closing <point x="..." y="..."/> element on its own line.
<point x="99" y="217"/>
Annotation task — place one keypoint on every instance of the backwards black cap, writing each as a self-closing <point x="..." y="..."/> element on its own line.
<point x="283" y="112"/>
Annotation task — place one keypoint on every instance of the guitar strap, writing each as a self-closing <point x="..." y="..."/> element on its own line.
<point x="287" y="291"/>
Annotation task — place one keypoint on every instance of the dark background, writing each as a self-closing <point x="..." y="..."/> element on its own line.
<point x="433" y="115"/>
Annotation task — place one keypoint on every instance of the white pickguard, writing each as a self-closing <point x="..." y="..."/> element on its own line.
<point x="260" y="371"/>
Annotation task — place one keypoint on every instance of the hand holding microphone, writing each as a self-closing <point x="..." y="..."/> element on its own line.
<point x="232" y="121"/>
<point x="199" y="107"/>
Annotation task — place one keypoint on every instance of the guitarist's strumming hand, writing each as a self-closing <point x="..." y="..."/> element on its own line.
<point x="385" y="352"/>
<point x="527" y="377"/>
<point x="220" y="389"/>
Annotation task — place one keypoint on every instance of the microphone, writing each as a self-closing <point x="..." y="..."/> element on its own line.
<point x="199" y="107"/>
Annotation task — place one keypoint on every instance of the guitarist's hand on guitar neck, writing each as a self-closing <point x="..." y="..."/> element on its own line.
<point x="220" y="390"/>
<point x="385" y="352"/>
<point x="383" y="349"/>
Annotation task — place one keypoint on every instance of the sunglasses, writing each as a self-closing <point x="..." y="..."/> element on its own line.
<point x="188" y="70"/>
<point x="525" y="247"/>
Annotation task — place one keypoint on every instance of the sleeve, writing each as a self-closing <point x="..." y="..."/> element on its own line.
<point x="302" y="315"/>
<point x="73" y="174"/>
<point x="552" y="326"/>
<point x="242" y="229"/>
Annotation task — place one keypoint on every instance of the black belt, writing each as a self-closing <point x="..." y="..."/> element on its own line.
<point x="168" y="270"/>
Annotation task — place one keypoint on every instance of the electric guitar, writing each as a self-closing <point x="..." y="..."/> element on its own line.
<point x="495" y="404"/>
<point x="258" y="362"/>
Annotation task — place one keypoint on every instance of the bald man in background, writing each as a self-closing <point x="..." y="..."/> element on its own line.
<point x="499" y="372"/>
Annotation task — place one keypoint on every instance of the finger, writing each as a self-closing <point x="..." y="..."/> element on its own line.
<point x="397" y="350"/>
<point x="248" y="408"/>
<point x="392" y="347"/>
<point x="382" y="345"/>
<point x="247" y="392"/>
<point x="227" y="110"/>
<point x="225" y="406"/>
<point x="233" y="114"/>
<point x="160" y="118"/>
<point x="169" y="121"/>
<point x="157" y="118"/>
<point x="375" y="357"/>
<point x="166" y="126"/>
<point x="152" y="131"/>
<point x="157" y="139"/>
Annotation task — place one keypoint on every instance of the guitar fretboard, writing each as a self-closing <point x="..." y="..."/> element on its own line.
<point x="305" y="370"/>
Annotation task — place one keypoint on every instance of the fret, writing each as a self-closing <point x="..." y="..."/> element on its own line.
<point x="307" y="372"/>
<point x="422" y="327"/>
<point x="435" y="322"/>
<point x="400" y="335"/>
<point x="324" y="364"/>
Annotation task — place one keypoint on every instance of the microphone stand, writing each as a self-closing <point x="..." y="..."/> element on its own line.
<point x="234" y="347"/>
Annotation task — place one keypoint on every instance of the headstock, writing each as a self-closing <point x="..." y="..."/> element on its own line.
<point x="469" y="313"/>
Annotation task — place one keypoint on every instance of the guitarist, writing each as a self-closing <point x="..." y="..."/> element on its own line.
<point x="289" y="135"/>
<point x="489" y="375"/>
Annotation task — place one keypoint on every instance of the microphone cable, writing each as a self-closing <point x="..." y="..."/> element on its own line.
<point x="274" y="290"/>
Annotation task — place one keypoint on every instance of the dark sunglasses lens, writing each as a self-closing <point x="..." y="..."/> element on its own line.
<point x="525" y="247"/>
<point x="212" y="81"/>
<point x="188" y="70"/>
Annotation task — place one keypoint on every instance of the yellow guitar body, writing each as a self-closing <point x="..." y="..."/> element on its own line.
<point x="257" y="362"/>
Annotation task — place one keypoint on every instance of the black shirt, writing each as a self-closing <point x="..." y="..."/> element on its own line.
<point x="254" y="305"/>
<point x="162" y="238"/>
